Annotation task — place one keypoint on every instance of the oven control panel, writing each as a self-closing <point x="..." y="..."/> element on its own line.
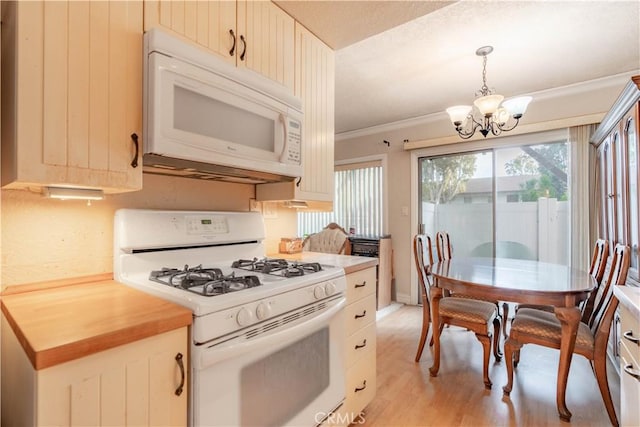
<point x="209" y="224"/>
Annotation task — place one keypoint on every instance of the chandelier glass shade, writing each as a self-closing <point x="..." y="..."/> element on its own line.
<point x="490" y="113"/>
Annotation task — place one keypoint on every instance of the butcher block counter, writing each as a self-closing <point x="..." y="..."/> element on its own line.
<point x="91" y="351"/>
<point x="349" y="263"/>
<point x="56" y="324"/>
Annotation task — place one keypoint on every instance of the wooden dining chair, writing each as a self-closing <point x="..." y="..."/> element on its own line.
<point x="474" y="315"/>
<point x="600" y="264"/>
<point x="443" y="247"/>
<point x="531" y="326"/>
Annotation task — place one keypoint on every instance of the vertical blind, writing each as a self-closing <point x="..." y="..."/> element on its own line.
<point x="357" y="201"/>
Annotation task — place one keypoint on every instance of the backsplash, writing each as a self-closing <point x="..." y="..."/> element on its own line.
<point x="45" y="239"/>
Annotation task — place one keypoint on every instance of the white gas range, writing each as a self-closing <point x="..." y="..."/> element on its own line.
<point x="260" y="324"/>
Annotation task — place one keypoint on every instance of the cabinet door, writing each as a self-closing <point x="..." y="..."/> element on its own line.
<point x="129" y="385"/>
<point x="266" y="40"/>
<point x="314" y="84"/>
<point x="76" y="95"/>
<point x="315" y="71"/>
<point x="210" y="24"/>
<point x="630" y="138"/>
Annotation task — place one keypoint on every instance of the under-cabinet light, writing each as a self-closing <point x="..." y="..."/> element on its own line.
<point x="70" y="193"/>
<point x="297" y="204"/>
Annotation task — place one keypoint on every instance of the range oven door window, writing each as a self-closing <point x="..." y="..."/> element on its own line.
<point x="288" y="371"/>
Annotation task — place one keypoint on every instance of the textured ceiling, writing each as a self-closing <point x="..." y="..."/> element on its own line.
<point x="390" y="67"/>
<point x="341" y="23"/>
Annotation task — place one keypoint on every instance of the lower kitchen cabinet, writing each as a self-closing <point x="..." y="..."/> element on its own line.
<point x="361" y="344"/>
<point x="629" y="368"/>
<point x="133" y="384"/>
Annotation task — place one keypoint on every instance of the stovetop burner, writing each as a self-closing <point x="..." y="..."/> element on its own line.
<point x="203" y="281"/>
<point x="277" y="266"/>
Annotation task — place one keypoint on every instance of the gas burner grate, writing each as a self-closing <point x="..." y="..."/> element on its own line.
<point x="203" y="281"/>
<point x="277" y="266"/>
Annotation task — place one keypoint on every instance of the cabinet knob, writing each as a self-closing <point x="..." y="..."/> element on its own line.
<point x="628" y="335"/>
<point x="134" y="161"/>
<point x="181" y="366"/>
<point x="233" y="48"/>
<point x="359" y="316"/>
<point x="244" y="47"/>
<point x="628" y="368"/>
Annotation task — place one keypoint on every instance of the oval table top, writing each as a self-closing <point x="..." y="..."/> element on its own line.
<point x="514" y="279"/>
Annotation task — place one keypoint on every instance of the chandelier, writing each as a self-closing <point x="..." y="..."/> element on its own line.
<point x="491" y="114"/>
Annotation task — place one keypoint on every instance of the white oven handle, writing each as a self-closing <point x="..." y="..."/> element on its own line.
<point x="213" y="356"/>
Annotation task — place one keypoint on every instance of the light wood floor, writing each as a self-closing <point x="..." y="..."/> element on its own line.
<point x="408" y="396"/>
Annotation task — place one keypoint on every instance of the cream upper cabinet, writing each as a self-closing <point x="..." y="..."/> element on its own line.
<point x="71" y="94"/>
<point x="257" y="35"/>
<point x="315" y="85"/>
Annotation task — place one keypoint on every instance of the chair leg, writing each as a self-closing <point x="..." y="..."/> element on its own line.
<point x="439" y="333"/>
<point x="516" y="357"/>
<point x="496" y="339"/>
<point x="486" y="345"/>
<point x="505" y="319"/>
<point x="600" y="366"/>
<point x="510" y="348"/>
<point x="426" y="320"/>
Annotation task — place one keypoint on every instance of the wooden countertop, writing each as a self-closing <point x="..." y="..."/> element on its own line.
<point x="58" y="324"/>
<point x="349" y="263"/>
<point x="629" y="296"/>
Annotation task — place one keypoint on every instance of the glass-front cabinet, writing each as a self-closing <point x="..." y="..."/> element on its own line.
<point x="616" y="142"/>
<point x="617" y="197"/>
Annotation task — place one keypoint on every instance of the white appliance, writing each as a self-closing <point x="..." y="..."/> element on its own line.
<point x="267" y="340"/>
<point x="205" y="118"/>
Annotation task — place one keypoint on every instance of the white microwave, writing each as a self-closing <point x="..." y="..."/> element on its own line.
<point x="207" y="119"/>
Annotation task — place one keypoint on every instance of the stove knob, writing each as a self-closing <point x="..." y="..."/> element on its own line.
<point x="262" y="311"/>
<point x="330" y="288"/>
<point x="318" y="292"/>
<point x="244" y="317"/>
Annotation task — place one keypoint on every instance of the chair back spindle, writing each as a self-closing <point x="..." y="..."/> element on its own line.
<point x="600" y="266"/>
<point x="602" y="316"/>
<point x="443" y="245"/>
<point x="423" y="258"/>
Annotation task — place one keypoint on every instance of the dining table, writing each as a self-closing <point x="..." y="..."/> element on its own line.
<point x="517" y="281"/>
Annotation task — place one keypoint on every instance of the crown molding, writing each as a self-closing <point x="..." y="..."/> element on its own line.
<point x="614" y="81"/>
<point x="629" y="96"/>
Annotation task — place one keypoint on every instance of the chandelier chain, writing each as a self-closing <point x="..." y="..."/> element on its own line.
<point x="484" y="90"/>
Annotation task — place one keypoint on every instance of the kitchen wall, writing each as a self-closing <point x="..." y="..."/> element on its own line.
<point x="45" y="239"/>
<point x="547" y="106"/>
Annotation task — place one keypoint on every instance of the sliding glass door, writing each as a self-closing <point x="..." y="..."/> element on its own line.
<point x="457" y="196"/>
<point x="506" y="202"/>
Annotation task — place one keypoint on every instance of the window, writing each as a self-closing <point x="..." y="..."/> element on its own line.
<point x="357" y="201"/>
<point x="527" y="211"/>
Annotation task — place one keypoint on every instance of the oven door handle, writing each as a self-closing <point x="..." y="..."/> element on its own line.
<point x="212" y="356"/>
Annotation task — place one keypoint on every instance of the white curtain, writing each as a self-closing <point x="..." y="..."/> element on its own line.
<point x="582" y="195"/>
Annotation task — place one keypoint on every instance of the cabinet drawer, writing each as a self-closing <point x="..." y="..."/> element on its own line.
<point x="360" y="313"/>
<point x="361" y="343"/>
<point x="629" y="331"/>
<point x="629" y="389"/>
<point x="360" y="284"/>
<point x="361" y="385"/>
